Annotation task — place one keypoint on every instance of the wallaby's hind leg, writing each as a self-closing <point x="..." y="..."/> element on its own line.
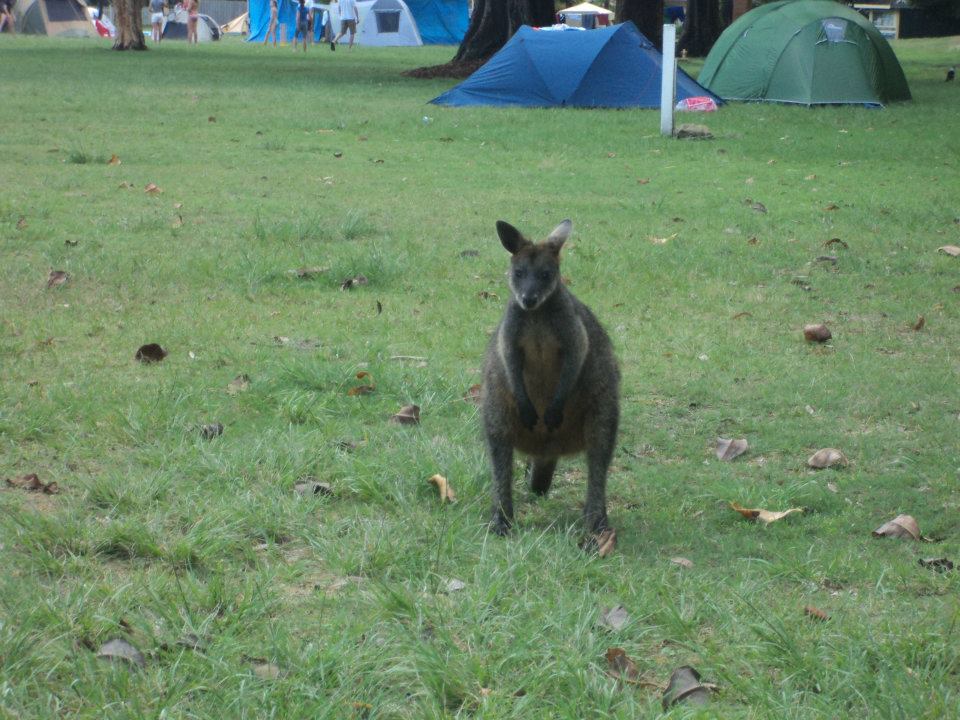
<point x="599" y="456"/>
<point x="501" y="460"/>
<point x="540" y="472"/>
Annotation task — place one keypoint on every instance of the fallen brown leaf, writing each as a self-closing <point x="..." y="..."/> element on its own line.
<point x="685" y="686"/>
<point x="682" y="562"/>
<point x="832" y="206"/>
<point x="407" y="415"/>
<point x="902" y="526"/>
<point x="150" y="353"/>
<point x="444" y="488"/>
<point x="614" y="618"/>
<point x="759" y="207"/>
<point x="152" y="189"/>
<point x="473" y="394"/>
<point x="728" y="449"/>
<point x="827" y="457"/>
<point x="764" y="516"/>
<point x="938" y="564"/>
<point x="620" y="666"/>
<point x="606" y="542"/>
<point x="120" y="649"/>
<point x="57" y="277"/>
<point x="817" y="333"/>
<point x="814" y="612"/>
<point x="114" y="160"/>
<point x="22" y="223"/>
<point x="351" y="283"/>
<point x="265" y="670"/>
<point x="920" y="323"/>
<point x="308" y="273"/>
<point x="362" y="389"/>
<point x="951" y="250"/>
<point x="32" y="483"/>
<point x="836" y="241"/>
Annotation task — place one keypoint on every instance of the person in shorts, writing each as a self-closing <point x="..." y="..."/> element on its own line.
<point x="157" y="8"/>
<point x="349" y="16"/>
<point x="193" y="16"/>
<point x="303" y="25"/>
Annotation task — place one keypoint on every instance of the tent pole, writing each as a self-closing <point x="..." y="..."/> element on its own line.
<point x="668" y="83"/>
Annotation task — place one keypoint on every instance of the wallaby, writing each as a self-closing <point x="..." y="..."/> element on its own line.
<point x="550" y="381"/>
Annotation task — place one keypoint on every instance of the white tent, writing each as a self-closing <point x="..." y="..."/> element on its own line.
<point x="382" y="23"/>
<point x="586" y="15"/>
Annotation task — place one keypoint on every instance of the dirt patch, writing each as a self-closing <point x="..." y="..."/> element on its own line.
<point x="456" y="70"/>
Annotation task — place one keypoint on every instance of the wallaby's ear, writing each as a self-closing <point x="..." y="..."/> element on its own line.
<point x="559" y="236"/>
<point x="510" y="237"/>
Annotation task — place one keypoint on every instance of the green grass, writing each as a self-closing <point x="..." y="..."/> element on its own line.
<point x="250" y="601"/>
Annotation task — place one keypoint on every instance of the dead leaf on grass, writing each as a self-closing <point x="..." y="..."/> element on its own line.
<point x="817" y="333"/>
<point x="444" y="488"/>
<point x="473" y="394"/>
<point x="407" y="415"/>
<point x="120" y="649"/>
<point x="453" y="585"/>
<point x="758" y="207"/>
<point x="827" y="457"/>
<point x="362" y="389"/>
<point x="836" y="241"/>
<point x="614" y="618"/>
<point x="310" y="486"/>
<point x="308" y="273"/>
<point x="265" y="670"/>
<point x="728" y="449"/>
<point x="152" y="189"/>
<point x="920" y="323"/>
<point x="902" y="526"/>
<point x="21" y="223"/>
<point x="150" y="353"/>
<point x="32" y="483"/>
<point x="211" y="430"/>
<point x="951" y="250"/>
<point x="114" y="160"/>
<point x="620" y="666"/>
<point x="606" y="542"/>
<point x="351" y="283"/>
<point x="685" y="686"/>
<point x="811" y="611"/>
<point x="57" y="278"/>
<point x="764" y="516"/>
<point x="831" y="207"/>
<point x="938" y="564"/>
<point x="241" y="383"/>
<point x="682" y="562"/>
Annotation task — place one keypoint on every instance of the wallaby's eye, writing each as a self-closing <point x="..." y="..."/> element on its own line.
<point x="544" y="275"/>
<point x="518" y="273"/>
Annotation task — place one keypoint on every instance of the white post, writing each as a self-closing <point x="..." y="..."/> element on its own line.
<point x="668" y="83"/>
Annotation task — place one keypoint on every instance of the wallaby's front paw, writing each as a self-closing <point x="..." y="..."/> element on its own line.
<point x="528" y="415"/>
<point x="553" y="418"/>
<point x="500" y="524"/>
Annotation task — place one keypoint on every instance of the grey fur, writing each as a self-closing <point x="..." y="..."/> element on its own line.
<point x="551" y="385"/>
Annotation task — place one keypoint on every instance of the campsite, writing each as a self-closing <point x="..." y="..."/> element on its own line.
<point x="305" y="245"/>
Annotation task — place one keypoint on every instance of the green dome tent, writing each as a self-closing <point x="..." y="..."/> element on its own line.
<point x="810" y="52"/>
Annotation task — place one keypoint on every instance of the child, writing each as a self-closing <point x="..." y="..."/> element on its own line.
<point x="303" y="25"/>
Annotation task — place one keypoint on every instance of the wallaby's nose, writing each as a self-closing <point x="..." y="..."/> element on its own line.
<point x="528" y="300"/>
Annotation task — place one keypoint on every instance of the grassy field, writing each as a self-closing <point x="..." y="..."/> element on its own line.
<point x="248" y="600"/>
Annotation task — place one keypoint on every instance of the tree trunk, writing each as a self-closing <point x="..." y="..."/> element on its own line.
<point x="495" y="21"/>
<point x="129" y="26"/>
<point x="702" y="28"/>
<point x="647" y="15"/>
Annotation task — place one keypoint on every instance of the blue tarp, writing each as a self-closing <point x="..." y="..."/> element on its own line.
<point x="615" y="67"/>
<point x="440" y="22"/>
<point x="260" y="19"/>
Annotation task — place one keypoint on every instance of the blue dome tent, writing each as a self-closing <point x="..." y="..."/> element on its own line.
<point x="615" y="67"/>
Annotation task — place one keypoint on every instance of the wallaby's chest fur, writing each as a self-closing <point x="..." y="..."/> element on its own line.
<point x="551" y="383"/>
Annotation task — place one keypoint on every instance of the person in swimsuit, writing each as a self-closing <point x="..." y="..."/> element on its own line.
<point x="272" y="27"/>
<point x="6" y="17"/>
<point x="193" y="15"/>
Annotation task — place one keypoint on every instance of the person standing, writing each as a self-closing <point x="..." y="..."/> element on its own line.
<point x="272" y="27"/>
<point x="193" y="15"/>
<point x="6" y="17"/>
<point x="157" y="8"/>
<point x="349" y="16"/>
<point x="303" y="25"/>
